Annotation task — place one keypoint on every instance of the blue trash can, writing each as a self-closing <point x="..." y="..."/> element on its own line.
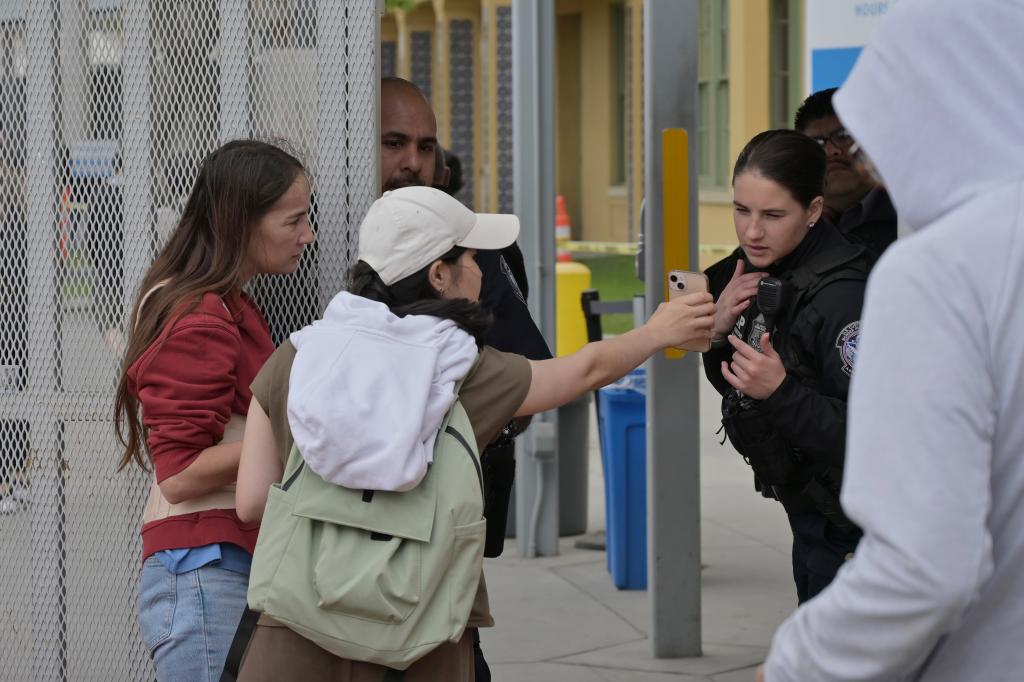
<point x="624" y="456"/>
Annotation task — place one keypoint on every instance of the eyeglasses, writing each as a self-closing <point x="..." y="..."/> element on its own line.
<point x="840" y="139"/>
<point x="864" y="164"/>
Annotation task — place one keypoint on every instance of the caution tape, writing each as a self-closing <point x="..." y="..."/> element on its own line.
<point x="620" y="248"/>
<point x="629" y="248"/>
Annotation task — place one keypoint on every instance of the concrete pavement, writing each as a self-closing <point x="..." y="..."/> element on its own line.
<point x="560" y="619"/>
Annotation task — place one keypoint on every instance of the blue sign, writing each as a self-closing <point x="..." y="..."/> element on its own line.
<point x="831" y="66"/>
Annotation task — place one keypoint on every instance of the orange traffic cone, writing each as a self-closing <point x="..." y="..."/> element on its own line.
<point x="563" y="230"/>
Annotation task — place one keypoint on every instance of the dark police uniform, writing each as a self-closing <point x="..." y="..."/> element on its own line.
<point x="806" y="416"/>
<point x="503" y="293"/>
<point x="870" y="223"/>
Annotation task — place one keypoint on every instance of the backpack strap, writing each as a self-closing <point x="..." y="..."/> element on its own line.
<point x="448" y="417"/>
<point x="239" y="644"/>
<point x="292" y="468"/>
<point x="848" y="262"/>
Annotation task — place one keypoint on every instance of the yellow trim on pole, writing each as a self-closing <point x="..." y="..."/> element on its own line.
<point x="675" y="208"/>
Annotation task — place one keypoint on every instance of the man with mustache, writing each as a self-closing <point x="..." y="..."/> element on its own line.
<point x="410" y="155"/>
<point x="408" y="135"/>
<point x="853" y="201"/>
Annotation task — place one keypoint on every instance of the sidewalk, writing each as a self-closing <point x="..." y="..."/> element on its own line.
<point x="560" y="619"/>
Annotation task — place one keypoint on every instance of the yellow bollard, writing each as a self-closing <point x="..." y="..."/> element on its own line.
<point x="571" y="280"/>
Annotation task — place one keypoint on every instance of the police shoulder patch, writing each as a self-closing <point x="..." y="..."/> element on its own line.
<point x="846" y="343"/>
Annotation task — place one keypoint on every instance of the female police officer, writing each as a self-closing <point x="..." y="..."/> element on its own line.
<point x="783" y="367"/>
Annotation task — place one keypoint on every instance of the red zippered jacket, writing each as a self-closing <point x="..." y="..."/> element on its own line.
<point x="189" y="383"/>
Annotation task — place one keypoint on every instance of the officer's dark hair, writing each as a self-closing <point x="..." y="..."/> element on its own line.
<point x="818" y="105"/>
<point x="414" y="295"/>
<point x="789" y="158"/>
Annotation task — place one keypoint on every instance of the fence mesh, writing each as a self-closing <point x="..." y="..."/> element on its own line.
<point x="106" y="109"/>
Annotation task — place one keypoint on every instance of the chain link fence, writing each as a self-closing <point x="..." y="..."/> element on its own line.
<point x="106" y="109"/>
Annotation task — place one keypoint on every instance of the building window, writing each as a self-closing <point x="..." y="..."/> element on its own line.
<point x="422" y="56"/>
<point x="460" y="70"/>
<point x="786" y="91"/>
<point x="619" y="85"/>
<point x="506" y="187"/>
<point x="388" y="58"/>
<point x="713" y="93"/>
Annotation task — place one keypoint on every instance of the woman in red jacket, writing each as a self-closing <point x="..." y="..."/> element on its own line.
<point x="197" y="343"/>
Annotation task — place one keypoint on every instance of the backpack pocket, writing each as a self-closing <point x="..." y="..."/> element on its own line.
<point x="272" y="545"/>
<point x="376" y="580"/>
<point x="366" y="546"/>
<point x="466" y="568"/>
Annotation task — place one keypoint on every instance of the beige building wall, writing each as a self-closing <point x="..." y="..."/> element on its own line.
<point x="599" y="210"/>
<point x="594" y="219"/>
<point x="749" y="114"/>
<point x="568" y="117"/>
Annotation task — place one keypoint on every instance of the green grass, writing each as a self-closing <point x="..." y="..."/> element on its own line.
<point x="615" y="278"/>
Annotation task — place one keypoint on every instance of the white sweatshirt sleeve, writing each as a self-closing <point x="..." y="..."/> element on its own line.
<point x="921" y="420"/>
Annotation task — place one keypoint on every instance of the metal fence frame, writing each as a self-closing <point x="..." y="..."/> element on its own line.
<point x="163" y="82"/>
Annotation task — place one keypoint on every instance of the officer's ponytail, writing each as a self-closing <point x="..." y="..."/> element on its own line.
<point x="789" y="158"/>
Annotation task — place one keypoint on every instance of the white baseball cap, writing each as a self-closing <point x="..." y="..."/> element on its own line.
<point x="409" y="228"/>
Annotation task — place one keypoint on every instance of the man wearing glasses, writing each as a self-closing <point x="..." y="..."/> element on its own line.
<point x="853" y="200"/>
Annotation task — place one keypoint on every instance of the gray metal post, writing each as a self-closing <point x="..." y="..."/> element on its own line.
<point x="41" y="136"/>
<point x="345" y="140"/>
<point x="533" y="125"/>
<point x="74" y="70"/>
<point x="234" y="63"/>
<point x="673" y="443"/>
<point x="136" y="145"/>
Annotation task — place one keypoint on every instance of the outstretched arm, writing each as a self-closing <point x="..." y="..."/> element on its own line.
<point x="685" y="320"/>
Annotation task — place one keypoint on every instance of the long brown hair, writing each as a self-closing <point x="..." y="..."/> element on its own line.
<point x="237" y="184"/>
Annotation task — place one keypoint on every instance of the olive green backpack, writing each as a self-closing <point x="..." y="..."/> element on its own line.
<point x="382" y="577"/>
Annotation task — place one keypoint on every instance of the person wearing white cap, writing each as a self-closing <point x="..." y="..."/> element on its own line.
<point x="385" y="359"/>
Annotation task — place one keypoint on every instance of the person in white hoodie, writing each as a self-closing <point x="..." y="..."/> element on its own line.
<point x="363" y="391"/>
<point x="935" y="456"/>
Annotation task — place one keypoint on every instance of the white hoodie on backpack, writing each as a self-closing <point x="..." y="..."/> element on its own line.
<point x="935" y="452"/>
<point x="369" y="390"/>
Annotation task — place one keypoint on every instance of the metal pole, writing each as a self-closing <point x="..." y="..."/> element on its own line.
<point x="673" y="420"/>
<point x="136" y="145"/>
<point x="348" y="76"/>
<point x="42" y="137"/>
<point x="74" y="70"/>
<point x="533" y="117"/>
<point x="234" y="63"/>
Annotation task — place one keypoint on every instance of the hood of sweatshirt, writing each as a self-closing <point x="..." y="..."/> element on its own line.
<point x="369" y="390"/>
<point x="935" y="101"/>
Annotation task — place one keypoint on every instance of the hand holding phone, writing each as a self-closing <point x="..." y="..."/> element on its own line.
<point x="682" y="282"/>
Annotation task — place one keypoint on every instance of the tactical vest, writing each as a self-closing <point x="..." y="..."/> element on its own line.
<point x="847" y="263"/>
<point x="777" y="465"/>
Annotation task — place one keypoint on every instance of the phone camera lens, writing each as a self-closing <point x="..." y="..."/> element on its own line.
<point x="672" y="278"/>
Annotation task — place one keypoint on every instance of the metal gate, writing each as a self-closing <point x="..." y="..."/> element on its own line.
<point x="106" y="109"/>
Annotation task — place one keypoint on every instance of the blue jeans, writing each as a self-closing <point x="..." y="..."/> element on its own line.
<point x="188" y="620"/>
